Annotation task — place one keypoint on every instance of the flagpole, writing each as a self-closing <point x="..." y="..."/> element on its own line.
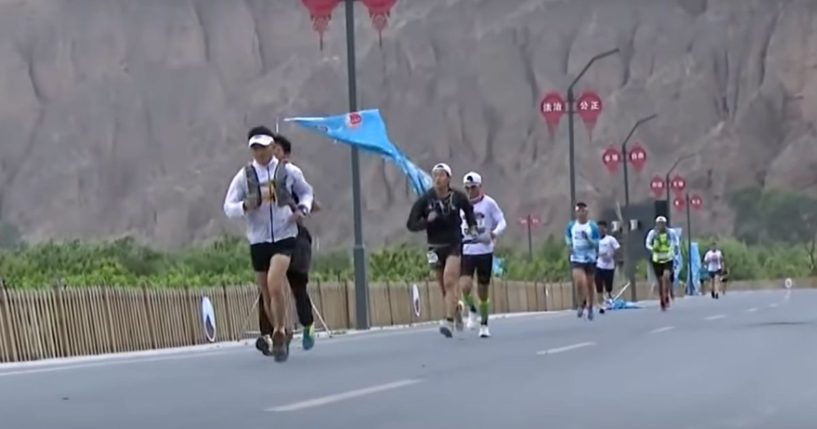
<point x="358" y="252"/>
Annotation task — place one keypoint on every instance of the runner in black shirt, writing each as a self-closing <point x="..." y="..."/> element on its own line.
<point x="438" y="213"/>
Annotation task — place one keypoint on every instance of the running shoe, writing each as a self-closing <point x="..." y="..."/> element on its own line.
<point x="473" y="319"/>
<point x="447" y="328"/>
<point x="280" y="351"/>
<point x="308" y="340"/>
<point x="264" y="345"/>
<point x="484" y="332"/>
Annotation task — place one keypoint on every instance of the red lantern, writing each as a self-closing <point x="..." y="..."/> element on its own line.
<point x="589" y="107"/>
<point x="611" y="158"/>
<point x="637" y="157"/>
<point x="678" y="184"/>
<point x="696" y="202"/>
<point x="379" y="12"/>
<point x="678" y="203"/>
<point x="552" y="108"/>
<point x="320" y="11"/>
<point x="657" y="186"/>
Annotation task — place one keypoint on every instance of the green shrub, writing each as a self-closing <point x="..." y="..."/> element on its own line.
<point x="226" y="262"/>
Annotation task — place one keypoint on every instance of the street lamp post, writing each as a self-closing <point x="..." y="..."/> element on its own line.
<point x="690" y="202"/>
<point x="321" y="12"/>
<point x="571" y="100"/>
<point x="358" y="251"/>
<point x="630" y="266"/>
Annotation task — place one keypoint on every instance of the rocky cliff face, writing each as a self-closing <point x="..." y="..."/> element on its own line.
<point x="128" y="117"/>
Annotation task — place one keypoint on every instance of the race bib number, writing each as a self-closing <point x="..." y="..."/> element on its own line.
<point x="433" y="259"/>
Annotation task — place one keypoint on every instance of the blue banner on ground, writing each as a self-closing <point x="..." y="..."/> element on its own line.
<point x="366" y="130"/>
<point x="678" y="260"/>
<point x="620" y="304"/>
<point x="696" y="269"/>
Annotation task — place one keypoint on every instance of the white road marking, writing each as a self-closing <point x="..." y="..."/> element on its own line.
<point x="715" y="317"/>
<point x="317" y="402"/>
<point x="751" y="310"/>
<point x="565" y="348"/>
<point x="660" y="330"/>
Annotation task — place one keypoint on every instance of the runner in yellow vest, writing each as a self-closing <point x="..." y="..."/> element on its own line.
<point x="660" y="242"/>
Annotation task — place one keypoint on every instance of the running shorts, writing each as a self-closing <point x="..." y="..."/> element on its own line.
<point x="301" y="260"/>
<point x="261" y="253"/>
<point x="604" y="280"/>
<point x="482" y="264"/>
<point x="437" y="255"/>
<point x="587" y="267"/>
<point x="712" y="274"/>
<point x="660" y="267"/>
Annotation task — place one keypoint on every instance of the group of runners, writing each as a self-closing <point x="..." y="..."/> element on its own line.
<point x="273" y="197"/>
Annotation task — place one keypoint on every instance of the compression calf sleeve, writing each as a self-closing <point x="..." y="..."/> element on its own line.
<point x="483" y="310"/>
<point x="469" y="301"/>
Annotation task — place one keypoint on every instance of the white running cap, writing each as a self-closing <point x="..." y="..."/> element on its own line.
<point x="660" y="219"/>
<point x="472" y="178"/>
<point x="263" y="140"/>
<point x="442" y="166"/>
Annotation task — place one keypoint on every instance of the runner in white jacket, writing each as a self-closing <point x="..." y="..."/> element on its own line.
<point x="478" y="251"/>
<point x="262" y="196"/>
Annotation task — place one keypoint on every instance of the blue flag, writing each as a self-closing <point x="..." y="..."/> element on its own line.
<point x="367" y="131"/>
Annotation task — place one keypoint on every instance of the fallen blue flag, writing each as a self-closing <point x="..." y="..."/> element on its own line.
<point x="620" y="304"/>
<point x="367" y="131"/>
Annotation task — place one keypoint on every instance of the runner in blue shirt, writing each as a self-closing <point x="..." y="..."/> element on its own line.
<point x="582" y="238"/>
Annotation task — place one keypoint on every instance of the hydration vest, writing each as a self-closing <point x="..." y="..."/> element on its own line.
<point x="662" y="248"/>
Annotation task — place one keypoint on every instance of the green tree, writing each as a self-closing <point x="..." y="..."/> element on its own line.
<point x="765" y="217"/>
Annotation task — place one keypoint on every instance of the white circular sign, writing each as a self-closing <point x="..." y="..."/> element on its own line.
<point x="788" y="283"/>
<point x="208" y="319"/>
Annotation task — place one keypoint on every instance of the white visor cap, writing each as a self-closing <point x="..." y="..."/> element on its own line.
<point x="472" y="179"/>
<point x="442" y="166"/>
<point x="261" y="139"/>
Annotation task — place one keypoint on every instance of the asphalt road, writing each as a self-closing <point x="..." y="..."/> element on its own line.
<point x="746" y="361"/>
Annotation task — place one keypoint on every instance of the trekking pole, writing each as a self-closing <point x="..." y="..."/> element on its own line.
<point x="247" y="317"/>
<point x="320" y="318"/>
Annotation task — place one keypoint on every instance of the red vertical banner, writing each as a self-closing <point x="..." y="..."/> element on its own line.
<point x="320" y="11"/>
<point x="552" y="107"/>
<point x="611" y="158"/>
<point x="637" y="157"/>
<point x="657" y="186"/>
<point x="379" y="13"/>
<point x="589" y="107"/>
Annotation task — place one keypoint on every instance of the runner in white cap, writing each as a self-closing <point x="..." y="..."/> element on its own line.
<point x="478" y="252"/>
<point x="438" y="213"/>
<point x="713" y="259"/>
<point x="660" y="242"/>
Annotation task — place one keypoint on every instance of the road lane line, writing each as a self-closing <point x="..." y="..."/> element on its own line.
<point x="715" y="317"/>
<point x="565" y="348"/>
<point x="751" y="310"/>
<point x="317" y="402"/>
<point x="660" y="330"/>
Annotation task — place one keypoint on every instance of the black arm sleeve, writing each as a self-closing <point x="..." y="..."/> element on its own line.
<point x="465" y="205"/>
<point x="417" y="217"/>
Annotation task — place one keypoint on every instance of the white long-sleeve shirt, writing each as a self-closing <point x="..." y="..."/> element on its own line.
<point x="270" y="222"/>
<point x="490" y="218"/>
